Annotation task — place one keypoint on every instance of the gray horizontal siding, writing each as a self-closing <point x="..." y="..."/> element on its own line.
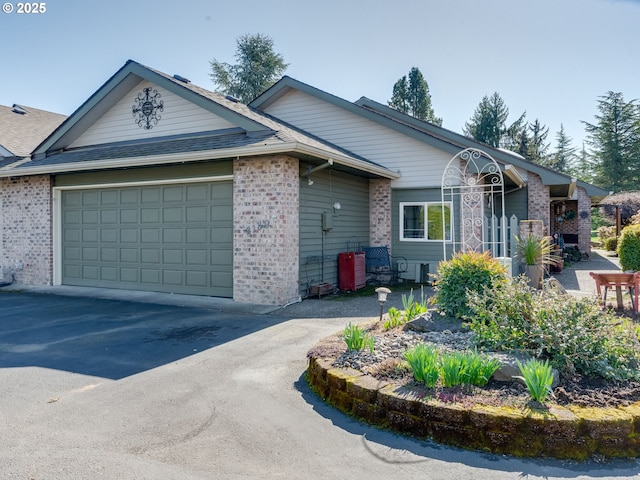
<point x="319" y="249"/>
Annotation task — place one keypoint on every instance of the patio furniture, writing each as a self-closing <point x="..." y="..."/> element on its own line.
<point x="381" y="266"/>
<point x="618" y="280"/>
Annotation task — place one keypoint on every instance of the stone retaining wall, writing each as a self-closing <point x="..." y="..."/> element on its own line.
<point x="560" y="432"/>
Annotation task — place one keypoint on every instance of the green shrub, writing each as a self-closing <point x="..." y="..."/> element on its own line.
<point x="629" y="248"/>
<point x="538" y="377"/>
<point x="424" y="363"/>
<point x="575" y="334"/>
<point x="610" y="244"/>
<point x="465" y="272"/>
<point x="356" y="338"/>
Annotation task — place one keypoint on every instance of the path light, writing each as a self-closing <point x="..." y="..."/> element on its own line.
<point x="382" y="297"/>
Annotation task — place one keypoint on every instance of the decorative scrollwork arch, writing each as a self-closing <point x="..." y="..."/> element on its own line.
<point x="472" y="182"/>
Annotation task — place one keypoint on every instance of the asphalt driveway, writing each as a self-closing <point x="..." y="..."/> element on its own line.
<point x="121" y="389"/>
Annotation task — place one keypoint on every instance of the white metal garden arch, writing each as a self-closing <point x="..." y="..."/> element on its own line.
<point x="473" y="187"/>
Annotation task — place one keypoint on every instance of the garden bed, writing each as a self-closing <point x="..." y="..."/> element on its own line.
<point x="588" y="416"/>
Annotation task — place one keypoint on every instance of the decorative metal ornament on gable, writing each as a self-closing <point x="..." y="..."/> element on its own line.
<point x="146" y="108"/>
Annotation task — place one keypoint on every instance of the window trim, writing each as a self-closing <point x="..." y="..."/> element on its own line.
<point x="425" y="205"/>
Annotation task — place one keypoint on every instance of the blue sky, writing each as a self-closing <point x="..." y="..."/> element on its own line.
<point x="552" y="58"/>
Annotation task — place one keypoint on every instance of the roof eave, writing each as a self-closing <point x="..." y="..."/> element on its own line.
<point x="128" y="162"/>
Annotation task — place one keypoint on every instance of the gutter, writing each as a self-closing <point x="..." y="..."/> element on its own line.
<point x="289" y="147"/>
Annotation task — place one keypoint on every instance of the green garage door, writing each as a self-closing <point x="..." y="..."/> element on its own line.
<point x="160" y="238"/>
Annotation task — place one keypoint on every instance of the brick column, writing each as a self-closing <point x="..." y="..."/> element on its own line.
<point x="584" y="224"/>
<point x="380" y="213"/>
<point x="266" y="230"/>
<point x="538" y="201"/>
<point x="26" y="235"/>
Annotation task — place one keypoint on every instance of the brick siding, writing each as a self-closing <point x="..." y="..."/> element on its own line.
<point x="266" y="204"/>
<point x="26" y="236"/>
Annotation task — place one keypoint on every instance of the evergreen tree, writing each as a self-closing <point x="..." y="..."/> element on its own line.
<point x="411" y="96"/>
<point x="258" y="67"/>
<point x="488" y="122"/>
<point x="537" y="146"/>
<point x="516" y="135"/>
<point x="615" y="143"/>
<point x="564" y="157"/>
<point x="399" y="99"/>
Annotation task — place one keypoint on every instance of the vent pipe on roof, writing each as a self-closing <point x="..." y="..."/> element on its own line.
<point x="182" y="79"/>
<point x="18" y="109"/>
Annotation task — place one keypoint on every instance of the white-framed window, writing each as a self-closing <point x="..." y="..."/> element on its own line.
<point x="423" y="221"/>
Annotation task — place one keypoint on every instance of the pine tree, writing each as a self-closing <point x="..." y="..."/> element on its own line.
<point x="564" y="157"/>
<point x="487" y="124"/>
<point x="411" y="96"/>
<point x="257" y="69"/>
<point x="538" y="147"/>
<point x="399" y="98"/>
<point x="615" y="143"/>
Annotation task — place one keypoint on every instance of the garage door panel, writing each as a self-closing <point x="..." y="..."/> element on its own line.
<point x="173" y="277"/>
<point x="150" y="276"/>
<point x="108" y="216"/>
<point x="172" y="214"/>
<point x="89" y="235"/>
<point x="196" y="257"/>
<point x="90" y="272"/>
<point x="129" y="196"/>
<point x="109" y="254"/>
<point x="109" y="197"/>
<point x="72" y="235"/>
<point x="172" y="235"/>
<point x="150" y="235"/>
<point x="129" y="275"/>
<point x="197" y="235"/>
<point x="172" y="257"/>
<point x="90" y="254"/>
<point x="150" y="255"/>
<point x="109" y="235"/>
<point x="197" y="214"/>
<point x="129" y="255"/>
<point x="197" y="279"/>
<point x="173" y="238"/>
<point x="90" y="216"/>
<point x="129" y="216"/>
<point x="129" y="235"/>
<point x="109" y="274"/>
<point x="150" y="215"/>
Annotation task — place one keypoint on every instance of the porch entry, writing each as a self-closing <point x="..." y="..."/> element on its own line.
<point x="473" y="186"/>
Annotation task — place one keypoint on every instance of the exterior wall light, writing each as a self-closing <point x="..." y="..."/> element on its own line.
<point x="336" y="206"/>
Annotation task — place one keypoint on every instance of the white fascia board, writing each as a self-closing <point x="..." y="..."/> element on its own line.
<point x="129" y="162"/>
<point x="513" y="173"/>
